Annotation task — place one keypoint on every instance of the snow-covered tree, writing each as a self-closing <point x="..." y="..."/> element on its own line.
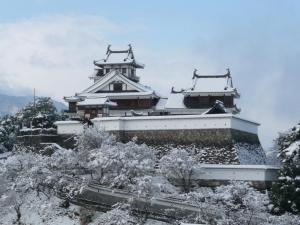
<point x="41" y="114"/>
<point x="119" y="165"/>
<point x="93" y="138"/>
<point x="286" y="191"/>
<point x="114" y="163"/>
<point x="25" y="172"/>
<point x="8" y="129"/>
<point x="119" y="215"/>
<point x="177" y="165"/>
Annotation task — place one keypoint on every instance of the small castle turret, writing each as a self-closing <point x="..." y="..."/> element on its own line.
<point x="121" y="60"/>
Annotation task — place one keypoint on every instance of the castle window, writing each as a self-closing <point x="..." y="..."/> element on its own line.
<point x="117" y="86"/>
<point x="107" y="70"/>
<point x="124" y="70"/>
<point x="132" y="72"/>
<point x="99" y="72"/>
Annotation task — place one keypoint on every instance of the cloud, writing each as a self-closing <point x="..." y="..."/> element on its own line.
<point x="52" y="54"/>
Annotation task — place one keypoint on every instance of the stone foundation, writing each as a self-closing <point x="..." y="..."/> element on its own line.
<point x="38" y="141"/>
<point x="215" y="146"/>
<point x="201" y="137"/>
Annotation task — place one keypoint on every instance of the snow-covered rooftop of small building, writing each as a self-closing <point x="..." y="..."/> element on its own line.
<point x="97" y="101"/>
<point x="72" y="99"/>
<point x="212" y="85"/>
<point x="147" y="94"/>
<point x="175" y="101"/>
<point x="161" y="104"/>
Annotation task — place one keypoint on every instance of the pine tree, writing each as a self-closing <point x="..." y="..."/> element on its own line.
<point x="285" y="193"/>
<point x="41" y="114"/>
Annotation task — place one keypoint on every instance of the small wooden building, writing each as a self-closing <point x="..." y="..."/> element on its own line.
<point x="205" y="93"/>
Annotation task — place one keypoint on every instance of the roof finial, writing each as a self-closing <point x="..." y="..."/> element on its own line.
<point x="228" y="72"/>
<point x="130" y="52"/>
<point x="195" y="73"/>
<point x="176" y="92"/>
<point x="108" y="49"/>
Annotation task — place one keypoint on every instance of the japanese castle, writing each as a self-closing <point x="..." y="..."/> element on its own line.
<point x="202" y="115"/>
<point x="117" y="91"/>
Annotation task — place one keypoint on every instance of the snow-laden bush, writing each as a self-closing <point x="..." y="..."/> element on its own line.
<point x="93" y="138"/>
<point x="114" y="163"/>
<point x="234" y="204"/>
<point x="118" y="165"/>
<point x="119" y="215"/>
<point x="177" y="166"/>
<point x="8" y="129"/>
<point x="286" y="191"/>
<point x="149" y="186"/>
<point x="45" y="174"/>
<point x="25" y="172"/>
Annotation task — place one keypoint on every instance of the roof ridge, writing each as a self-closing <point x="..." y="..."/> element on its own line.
<point x="129" y="51"/>
<point x="195" y="75"/>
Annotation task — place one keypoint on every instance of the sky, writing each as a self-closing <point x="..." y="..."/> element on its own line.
<point x="50" y="45"/>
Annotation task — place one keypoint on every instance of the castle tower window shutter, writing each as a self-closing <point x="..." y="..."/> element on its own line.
<point x="117" y="86"/>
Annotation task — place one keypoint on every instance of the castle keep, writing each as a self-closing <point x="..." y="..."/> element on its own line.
<point x="203" y="115"/>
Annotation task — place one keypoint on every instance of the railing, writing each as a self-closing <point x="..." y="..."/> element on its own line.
<point x="164" y="209"/>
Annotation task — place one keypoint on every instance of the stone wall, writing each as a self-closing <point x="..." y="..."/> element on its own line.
<point x="216" y="146"/>
<point x="38" y="141"/>
<point x="201" y="137"/>
<point x="226" y="146"/>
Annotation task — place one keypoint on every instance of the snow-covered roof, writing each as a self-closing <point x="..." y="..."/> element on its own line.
<point x="175" y="101"/>
<point x="115" y="75"/>
<point x="96" y="101"/>
<point x="72" y="99"/>
<point x="161" y="104"/>
<point x="212" y="85"/>
<point x="115" y="95"/>
<point x="119" y="57"/>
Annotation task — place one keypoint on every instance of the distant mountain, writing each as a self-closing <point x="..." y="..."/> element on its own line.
<point x="11" y="104"/>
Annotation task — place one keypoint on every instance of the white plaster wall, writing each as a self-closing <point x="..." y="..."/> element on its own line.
<point x="177" y="123"/>
<point x="245" y="125"/>
<point x="110" y="125"/>
<point x="69" y="127"/>
<point x="106" y="88"/>
<point x="236" y="172"/>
